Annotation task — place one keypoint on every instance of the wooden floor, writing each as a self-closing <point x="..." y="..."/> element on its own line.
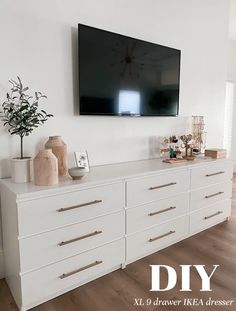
<point x="117" y="291"/>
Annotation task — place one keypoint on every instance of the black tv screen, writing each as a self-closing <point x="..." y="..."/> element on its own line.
<point x="123" y="76"/>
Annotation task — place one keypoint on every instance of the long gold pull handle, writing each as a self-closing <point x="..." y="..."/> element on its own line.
<point x="213" y="174"/>
<point x="162" y="211"/>
<point x="161" y="236"/>
<point x="213" y="195"/>
<point x="80" y="238"/>
<point x="163" y="186"/>
<point x="65" y="275"/>
<point x="213" y="215"/>
<point x="64" y="209"/>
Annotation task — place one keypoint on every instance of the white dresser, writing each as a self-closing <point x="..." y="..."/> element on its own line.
<point x="58" y="238"/>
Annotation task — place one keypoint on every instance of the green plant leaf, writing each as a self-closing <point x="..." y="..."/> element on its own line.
<point x="21" y="114"/>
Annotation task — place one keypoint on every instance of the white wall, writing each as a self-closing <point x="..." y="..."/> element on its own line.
<point x="231" y="64"/>
<point x="39" y="43"/>
<point x="231" y="76"/>
<point x="232" y="20"/>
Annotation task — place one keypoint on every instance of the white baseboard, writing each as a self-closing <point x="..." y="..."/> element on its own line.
<point x="1" y="264"/>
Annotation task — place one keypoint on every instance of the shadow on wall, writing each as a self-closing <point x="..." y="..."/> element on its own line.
<point x="75" y="68"/>
<point x="5" y="168"/>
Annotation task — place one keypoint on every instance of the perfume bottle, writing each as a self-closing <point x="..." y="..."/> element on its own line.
<point x="171" y="152"/>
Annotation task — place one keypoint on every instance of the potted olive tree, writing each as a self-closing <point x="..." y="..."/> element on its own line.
<point x="21" y="115"/>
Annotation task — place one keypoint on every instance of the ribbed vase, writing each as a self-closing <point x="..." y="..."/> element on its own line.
<point x="45" y="168"/>
<point x="59" y="148"/>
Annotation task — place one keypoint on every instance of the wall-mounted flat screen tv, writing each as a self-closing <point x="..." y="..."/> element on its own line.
<point x="123" y="76"/>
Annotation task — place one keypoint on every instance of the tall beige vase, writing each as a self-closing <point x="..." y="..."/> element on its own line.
<point x="45" y="168"/>
<point x="59" y="148"/>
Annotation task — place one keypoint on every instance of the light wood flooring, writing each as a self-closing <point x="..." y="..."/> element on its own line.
<point x="118" y="290"/>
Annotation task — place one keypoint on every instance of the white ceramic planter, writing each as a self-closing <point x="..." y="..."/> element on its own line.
<point x="21" y="170"/>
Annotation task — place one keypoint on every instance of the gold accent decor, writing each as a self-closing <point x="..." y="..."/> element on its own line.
<point x="162" y="211"/>
<point x="213" y="195"/>
<point x="161" y="236"/>
<point x="80" y="238"/>
<point x="64" y="209"/>
<point x="213" y="174"/>
<point x="65" y="275"/>
<point x="213" y="215"/>
<point x="162" y="186"/>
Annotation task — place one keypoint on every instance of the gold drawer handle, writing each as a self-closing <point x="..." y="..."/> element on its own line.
<point x="213" y="195"/>
<point x="65" y="275"/>
<point x="213" y="215"/>
<point x="64" y="209"/>
<point x="162" y="211"/>
<point x="162" y="186"/>
<point x="161" y="236"/>
<point x="213" y="174"/>
<point x="80" y="238"/>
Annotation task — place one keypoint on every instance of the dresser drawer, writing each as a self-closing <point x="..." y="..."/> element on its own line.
<point x="209" y="216"/>
<point x="45" y="214"/>
<point x="49" y="247"/>
<point x="156" y="238"/>
<point x="211" y="173"/>
<point x="151" y="214"/>
<point x="207" y="196"/>
<point x="64" y="275"/>
<point x="156" y="187"/>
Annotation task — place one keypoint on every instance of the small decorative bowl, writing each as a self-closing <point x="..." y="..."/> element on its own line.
<point x="77" y="172"/>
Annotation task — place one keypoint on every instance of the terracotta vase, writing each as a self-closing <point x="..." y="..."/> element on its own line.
<point x="45" y="168"/>
<point x="59" y="148"/>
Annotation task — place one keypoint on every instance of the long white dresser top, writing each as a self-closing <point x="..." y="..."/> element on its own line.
<point x="102" y="174"/>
